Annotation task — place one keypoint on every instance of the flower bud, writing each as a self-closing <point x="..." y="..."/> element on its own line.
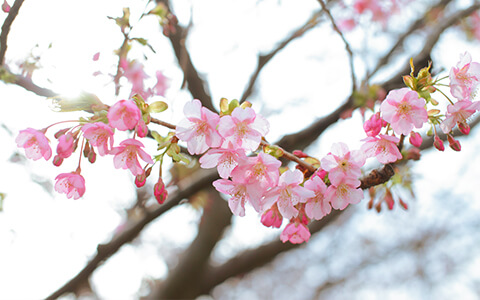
<point x="464" y="128"/>
<point x="57" y="161"/>
<point x="159" y="191"/>
<point x="140" y="180"/>
<point x="454" y="144"/>
<point x="438" y="143"/>
<point x="415" y="139"/>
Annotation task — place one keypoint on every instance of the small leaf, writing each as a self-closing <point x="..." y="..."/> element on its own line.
<point x="157" y="107"/>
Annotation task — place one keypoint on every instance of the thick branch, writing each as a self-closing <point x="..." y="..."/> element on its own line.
<point x="6" y="28"/>
<point x="104" y="251"/>
<point x="182" y="281"/>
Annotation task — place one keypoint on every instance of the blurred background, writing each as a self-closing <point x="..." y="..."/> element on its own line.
<point x="304" y="89"/>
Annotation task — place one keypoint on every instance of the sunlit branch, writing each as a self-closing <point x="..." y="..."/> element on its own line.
<point x="418" y="24"/>
<point x="7" y="24"/>
<point x="347" y="45"/>
<point x="264" y="59"/>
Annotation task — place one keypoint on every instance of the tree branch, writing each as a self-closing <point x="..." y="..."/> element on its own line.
<point x="264" y="59"/>
<point x="6" y="28"/>
<point x="104" y="251"/>
<point x="196" y="84"/>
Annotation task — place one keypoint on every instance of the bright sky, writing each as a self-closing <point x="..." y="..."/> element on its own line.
<point x="45" y="238"/>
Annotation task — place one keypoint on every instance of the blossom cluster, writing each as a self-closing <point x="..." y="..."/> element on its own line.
<point x="232" y="141"/>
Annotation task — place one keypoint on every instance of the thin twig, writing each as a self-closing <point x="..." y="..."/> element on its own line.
<point x="264" y="59"/>
<point x="6" y="28"/>
<point x="347" y="45"/>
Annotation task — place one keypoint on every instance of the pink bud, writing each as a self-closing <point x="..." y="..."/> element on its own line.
<point x="140" y="180"/>
<point x="5" y="6"/>
<point x="464" y="128"/>
<point x="415" y="139"/>
<point x="159" y="191"/>
<point x="57" y="161"/>
<point x="454" y="144"/>
<point x="438" y="143"/>
<point x="373" y="125"/>
<point x="299" y="153"/>
<point x="96" y="56"/>
<point x="272" y="218"/>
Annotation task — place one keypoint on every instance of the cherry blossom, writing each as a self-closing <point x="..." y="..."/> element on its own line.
<point x="126" y="156"/>
<point x="240" y="193"/>
<point x="198" y="129"/>
<point x="403" y="109"/>
<point x="224" y="159"/>
<point x="458" y="113"/>
<point x="135" y="74"/>
<point x="99" y="135"/>
<point x="344" y="193"/>
<point x="243" y="128"/>
<point x="124" y="115"/>
<point x="288" y="193"/>
<point x="35" y="143"/>
<point x="261" y="169"/>
<point x="317" y="206"/>
<point x="72" y="184"/>
<point x="295" y="233"/>
<point x="162" y="84"/>
<point x="464" y="78"/>
<point x="340" y="163"/>
<point x="384" y="148"/>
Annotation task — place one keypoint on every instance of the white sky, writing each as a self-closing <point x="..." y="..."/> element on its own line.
<point x="45" y="238"/>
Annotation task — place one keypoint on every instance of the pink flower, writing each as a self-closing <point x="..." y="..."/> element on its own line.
<point x="162" y="84"/>
<point x="317" y="206"/>
<point x="72" y="184"/>
<point x="346" y="192"/>
<point x="272" y="217"/>
<point x="261" y="169"/>
<point x="133" y="71"/>
<point x="240" y="193"/>
<point x="384" y="148"/>
<point x="296" y="233"/>
<point x="126" y="156"/>
<point x="224" y="159"/>
<point x="199" y="128"/>
<point x="100" y="135"/>
<point x="288" y="193"/>
<point x="415" y="139"/>
<point x="458" y="113"/>
<point x="159" y="191"/>
<point x="342" y="163"/>
<point x="124" y="115"/>
<point x="244" y="129"/>
<point x="403" y="109"/>
<point x="35" y="143"/>
<point x="373" y="125"/>
<point x="465" y="78"/>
